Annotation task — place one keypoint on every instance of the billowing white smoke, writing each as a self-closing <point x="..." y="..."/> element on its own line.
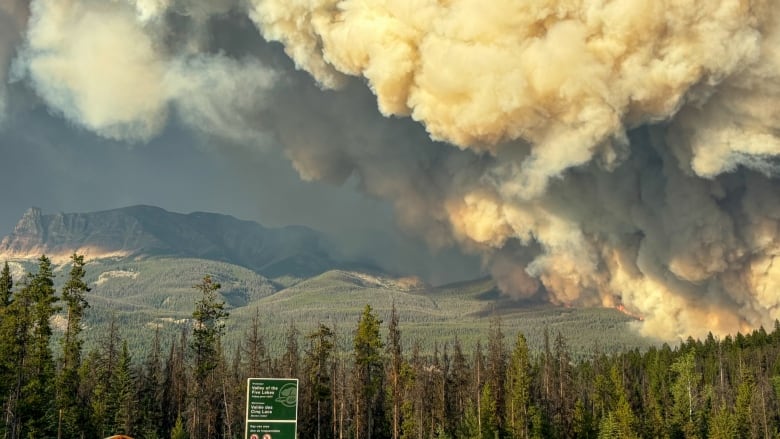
<point x="13" y="16"/>
<point x="550" y="89"/>
<point x="610" y="152"/>
<point x="566" y="77"/>
<point x="103" y="65"/>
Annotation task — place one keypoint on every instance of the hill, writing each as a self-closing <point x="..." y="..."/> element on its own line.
<point x="157" y="293"/>
<point x="145" y="260"/>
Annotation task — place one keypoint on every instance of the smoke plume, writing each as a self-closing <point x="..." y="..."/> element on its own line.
<point x="596" y="153"/>
<point x="13" y="17"/>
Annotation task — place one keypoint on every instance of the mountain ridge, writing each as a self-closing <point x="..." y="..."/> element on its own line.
<point x="144" y="261"/>
<point x="143" y="231"/>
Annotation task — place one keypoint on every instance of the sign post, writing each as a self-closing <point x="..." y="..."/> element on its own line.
<point x="271" y="408"/>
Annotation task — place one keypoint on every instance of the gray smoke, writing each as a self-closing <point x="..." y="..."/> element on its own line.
<point x="616" y="153"/>
<point x="13" y="18"/>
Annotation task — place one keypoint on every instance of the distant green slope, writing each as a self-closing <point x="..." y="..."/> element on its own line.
<point x="147" y="293"/>
<point x="148" y="260"/>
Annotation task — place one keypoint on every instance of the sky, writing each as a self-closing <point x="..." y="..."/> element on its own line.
<point x="52" y="164"/>
<point x="586" y="153"/>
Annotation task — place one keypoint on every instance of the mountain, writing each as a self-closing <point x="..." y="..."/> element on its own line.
<point x="143" y="262"/>
<point x="145" y="231"/>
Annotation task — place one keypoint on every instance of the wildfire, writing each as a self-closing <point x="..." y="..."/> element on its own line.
<point x="623" y="309"/>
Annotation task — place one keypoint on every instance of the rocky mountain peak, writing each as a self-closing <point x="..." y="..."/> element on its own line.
<point x="144" y="231"/>
<point x="31" y="223"/>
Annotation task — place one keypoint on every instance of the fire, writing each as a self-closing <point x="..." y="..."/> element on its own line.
<point x="620" y="307"/>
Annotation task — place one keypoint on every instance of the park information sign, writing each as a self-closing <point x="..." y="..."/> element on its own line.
<point x="271" y="408"/>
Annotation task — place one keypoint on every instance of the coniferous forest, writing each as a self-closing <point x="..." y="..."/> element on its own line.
<point x="370" y="387"/>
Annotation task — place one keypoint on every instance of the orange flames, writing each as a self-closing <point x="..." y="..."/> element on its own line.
<point x="623" y="309"/>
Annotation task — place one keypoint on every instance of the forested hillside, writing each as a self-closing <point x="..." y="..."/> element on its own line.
<point x="143" y="262"/>
<point x="142" y="295"/>
<point x="369" y="385"/>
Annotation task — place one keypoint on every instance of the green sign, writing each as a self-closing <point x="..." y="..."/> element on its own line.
<point x="271" y="408"/>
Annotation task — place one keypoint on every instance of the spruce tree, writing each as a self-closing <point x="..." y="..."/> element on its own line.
<point x="488" y="413"/>
<point x="70" y="402"/>
<point x="394" y="351"/>
<point x="258" y="364"/>
<point x="175" y="380"/>
<point x="6" y="287"/>
<point x="7" y="342"/>
<point x="411" y="407"/>
<point x="123" y="392"/>
<point x="36" y="407"/>
<point x="724" y="425"/>
<point x="318" y="402"/>
<point x="744" y="407"/>
<point x="563" y="393"/>
<point x="209" y="326"/>
<point x="103" y="364"/>
<point x="150" y="392"/>
<point x="368" y="377"/>
<point x="461" y="376"/>
<point x="291" y="358"/>
<point x="519" y="389"/>
<point x="496" y="372"/>
<point x="477" y="383"/>
<point x="685" y="392"/>
<point x="437" y="389"/>
<point x="178" y="431"/>
<point x="622" y="416"/>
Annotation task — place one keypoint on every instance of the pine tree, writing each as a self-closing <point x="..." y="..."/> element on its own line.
<point x="496" y="372"/>
<point x="258" y="363"/>
<point x="341" y="390"/>
<point x="226" y="396"/>
<point x="102" y="365"/>
<point x="477" y="384"/>
<point x="469" y="426"/>
<point x="657" y="407"/>
<point x="685" y="391"/>
<point x="368" y="377"/>
<point x="36" y="404"/>
<point x="622" y="416"/>
<point x="6" y="287"/>
<point x="291" y="358"/>
<point x="412" y="402"/>
<point x="234" y="389"/>
<point x="723" y="425"/>
<point x="547" y="378"/>
<point x="122" y="390"/>
<point x="609" y="428"/>
<point x="461" y="377"/>
<point x="582" y="426"/>
<point x="436" y="389"/>
<point x="150" y="392"/>
<point x="745" y="415"/>
<point x="563" y="394"/>
<point x="488" y="413"/>
<point x="70" y="401"/>
<point x="394" y="351"/>
<point x="8" y="347"/>
<point x="317" y="408"/>
<point x="209" y="317"/>
<point x="178" y="431"/>
<point x="175" y="380"/>
<point x="519" y="389"/>
<point x="209" y="326"/>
